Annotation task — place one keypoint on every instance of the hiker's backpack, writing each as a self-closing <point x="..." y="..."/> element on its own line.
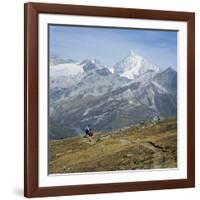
<point x="87" y="131"/>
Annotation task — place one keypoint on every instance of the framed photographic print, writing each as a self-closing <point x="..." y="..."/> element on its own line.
<point x="109" y="99"/>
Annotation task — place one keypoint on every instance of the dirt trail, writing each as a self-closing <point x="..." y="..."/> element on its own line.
<point x="158" y="155"/>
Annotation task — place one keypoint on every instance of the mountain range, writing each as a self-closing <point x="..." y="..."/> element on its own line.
<point x="108" y="98"/>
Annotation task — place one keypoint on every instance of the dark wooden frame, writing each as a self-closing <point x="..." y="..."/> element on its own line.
<point x="31" y="188"/>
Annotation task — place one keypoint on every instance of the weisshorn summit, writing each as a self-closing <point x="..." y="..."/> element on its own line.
<point x="88" y="92"/>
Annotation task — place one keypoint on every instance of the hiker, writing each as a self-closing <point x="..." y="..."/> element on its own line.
<point x="88" y="132"/>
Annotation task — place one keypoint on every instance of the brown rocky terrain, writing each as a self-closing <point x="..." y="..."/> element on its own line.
<point x="152" y="145"/>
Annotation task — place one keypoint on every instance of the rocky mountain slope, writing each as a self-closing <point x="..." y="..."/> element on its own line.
<point x="90" y="93"/>
<point x="149" y="146"/>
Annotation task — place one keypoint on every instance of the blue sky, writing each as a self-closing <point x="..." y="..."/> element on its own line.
<point x="110" y="45"/>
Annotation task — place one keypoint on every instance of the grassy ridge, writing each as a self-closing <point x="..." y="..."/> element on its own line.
<point x="149" y="146"/>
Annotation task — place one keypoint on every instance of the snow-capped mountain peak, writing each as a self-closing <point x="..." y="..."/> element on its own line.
<point x="66" y="72"/>
<point x="89" y="65"/>
<point x="133" y="66"/>
<point x="87" y="92"/>
<point x="133" y="54"/>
